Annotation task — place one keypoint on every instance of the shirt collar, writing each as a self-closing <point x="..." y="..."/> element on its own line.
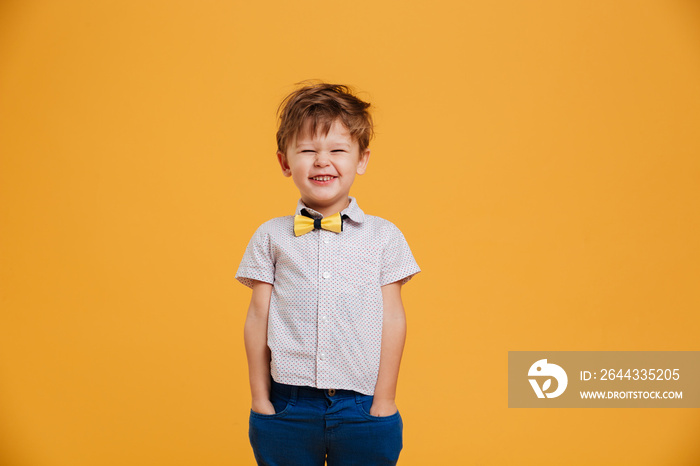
<point x="352" y="211"/>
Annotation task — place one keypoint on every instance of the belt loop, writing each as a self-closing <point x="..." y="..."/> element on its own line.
<point x="293" y="395"/>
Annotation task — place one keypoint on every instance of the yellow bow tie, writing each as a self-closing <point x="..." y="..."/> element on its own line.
<point x="303" y="224"/>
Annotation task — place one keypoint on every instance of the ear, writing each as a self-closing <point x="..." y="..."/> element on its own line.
<point x="364" y="160"/>
<point x="282" y="159"/>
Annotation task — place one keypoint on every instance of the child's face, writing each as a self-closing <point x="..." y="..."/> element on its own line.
<point x="323" y="167"/>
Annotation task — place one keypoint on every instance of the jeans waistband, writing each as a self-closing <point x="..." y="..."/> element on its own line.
<point x="310" y="392"/>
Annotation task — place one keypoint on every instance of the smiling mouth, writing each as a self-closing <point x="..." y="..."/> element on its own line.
<point x="323" y="178"/>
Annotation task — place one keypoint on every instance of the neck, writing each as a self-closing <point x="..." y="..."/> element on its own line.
<point x="330" y="209"/>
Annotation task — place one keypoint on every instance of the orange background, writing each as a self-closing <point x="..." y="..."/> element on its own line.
<point x="540" y="157"/>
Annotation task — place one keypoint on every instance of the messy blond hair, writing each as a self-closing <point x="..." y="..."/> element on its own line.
<point x="319" y="105"/>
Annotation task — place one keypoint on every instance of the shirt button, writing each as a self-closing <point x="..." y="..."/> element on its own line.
<point x="324" y="318"/>
<point x="322" y="356"/>
<point x="326" y="275"/>
<point x="326" y="240"/>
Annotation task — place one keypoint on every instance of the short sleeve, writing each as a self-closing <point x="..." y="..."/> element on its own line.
<point x="398" y="263"/>
<point x="257" y="262"/>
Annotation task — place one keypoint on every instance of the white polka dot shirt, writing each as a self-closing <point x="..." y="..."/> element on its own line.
<point x="325" y="318"/>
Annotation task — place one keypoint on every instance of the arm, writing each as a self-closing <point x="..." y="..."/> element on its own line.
<point x="393" y="338"/>
<point x="255" y="337"/>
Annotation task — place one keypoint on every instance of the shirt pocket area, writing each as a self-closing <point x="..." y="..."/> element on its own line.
<point x="360" y="271"/>
<point x="359" y="285"/>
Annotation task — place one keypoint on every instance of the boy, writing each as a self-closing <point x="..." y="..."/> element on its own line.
<point x="325" y="328"/>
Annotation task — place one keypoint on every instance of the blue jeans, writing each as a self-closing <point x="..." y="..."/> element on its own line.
<point x="312" y="425"/>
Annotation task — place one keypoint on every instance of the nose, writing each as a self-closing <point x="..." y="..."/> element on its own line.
<point x="322" y="159"/>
